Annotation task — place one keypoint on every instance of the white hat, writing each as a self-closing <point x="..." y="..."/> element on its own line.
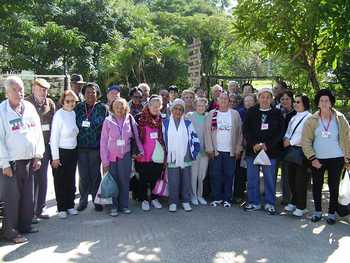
<point x="263" y="90"/>
<point x="177" y="102"/>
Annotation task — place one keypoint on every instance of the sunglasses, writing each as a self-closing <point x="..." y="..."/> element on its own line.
<point x="69" y="101"/>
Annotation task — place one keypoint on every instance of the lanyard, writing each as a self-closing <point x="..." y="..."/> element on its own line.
<point x="329" y="123"/>
<point x="88" y="113"/>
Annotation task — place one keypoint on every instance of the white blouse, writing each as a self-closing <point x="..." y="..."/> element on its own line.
<point x="296" y="138"/>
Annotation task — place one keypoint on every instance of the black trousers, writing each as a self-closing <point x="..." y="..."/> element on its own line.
<point x="298" y="180"/>
<point x="334" y="167"/>
<point x="149" y="172"/>
<point x="240" y="182"/>
<point x="64" y="179"/>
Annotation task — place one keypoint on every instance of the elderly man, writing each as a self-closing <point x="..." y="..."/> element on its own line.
<point x="223" y="143"/>
<point x="45" y="107"/>
<point x="146" y="90"/>
<point x="21" y="148"/>
<point x="76" y="84"/>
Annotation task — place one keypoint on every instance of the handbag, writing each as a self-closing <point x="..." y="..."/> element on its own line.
<point x="133" y="145"/>
<point x="158" y="153"/>
<point x="343" y="206"/>
<point x="161" y="187"/>
<point x="294" y="154"/>
<point x="109" y="187"/>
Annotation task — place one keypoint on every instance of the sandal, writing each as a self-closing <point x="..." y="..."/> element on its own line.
<point x="19" y="239"/>
<point x="227" y="204"/>
<point x="215" y="203"/>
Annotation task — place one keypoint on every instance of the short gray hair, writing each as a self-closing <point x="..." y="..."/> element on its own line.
<point x="13" y="80"/>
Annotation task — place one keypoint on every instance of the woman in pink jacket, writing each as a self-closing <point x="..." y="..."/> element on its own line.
<point x="115" y="149"/>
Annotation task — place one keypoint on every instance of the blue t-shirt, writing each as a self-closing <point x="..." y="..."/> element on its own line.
<point x="327" y="146"/>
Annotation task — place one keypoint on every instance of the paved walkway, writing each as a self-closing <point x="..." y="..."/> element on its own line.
<point x="206" y="234"/>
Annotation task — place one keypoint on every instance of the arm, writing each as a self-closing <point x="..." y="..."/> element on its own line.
<point x="209" y="147"/>
<point x="55" y="136"/>
<point x="278" y="133"/>
<point x="4" y="154"/>
<point x="239" y="142"/>
<point x="307" y="140"/>
<point x="136" y="133"/>
<point x="104" y="144"/>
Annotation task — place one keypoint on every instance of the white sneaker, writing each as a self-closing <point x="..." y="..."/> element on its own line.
<point x="172" y="208"/>
<point x="202" y="201"/>
<point x="145" y="206"/>
<point x="289" y="208"/>
<point x="62" y="214"/>
<point x="156" y="204"/>
<point x="194" y="201"/>
<point x="72" y="211"/>
<point x="113" y="212"/>
<point x="299" y="213"/>
<point x="187" y="207"/>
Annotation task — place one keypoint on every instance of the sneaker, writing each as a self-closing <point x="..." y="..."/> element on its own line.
<point x="202" y="201"/>
<point x="72" y="211"/>
<point x="331" y="219"/>
<point x="290" y="208"/>
<point x="251" y="207"/>
<point x="216" y="203"/>
<point x="81" y="207"/>
<point x="155" y="203"/>
<point x="194" y="200"/>
<point x="299" y="212"/>
<point x="172" y="208"/>
<point x="317" y="216"/>
<point x="145" y="206"/>
<point x="113" y="212"/>
<point x="126" y="211"/>
<point x="227" y="204"/>
<point x="270" y="209"/>
<point x="35" y="220"/>
<point x="187" y="207"/>
<point x="62" y="214"/>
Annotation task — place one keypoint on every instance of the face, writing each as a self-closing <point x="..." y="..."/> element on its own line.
<point x="165" y="96"/>
<point x="324" y="103"/>
<point x="146" y="92"/>
<point x="136" y="97"/>
<point x="188" y="99"/>
<point x="286" y="102"/>
<point x="249" y="102"/>
<point x="277" y="90"/>
<point x="177" y="112"/>
<point x="76" y="87"/>
<point x="154" y="107"/>
<point x="233" y="88"/>
<point x="201" y="93"/>
<point x="223" y="101"/>
<point x="69" y="103"/>
<point x="112" y="95"/>
<point x="15" y="94"/>
<point x="90" y="95"/>
<point x="298" y="104"/>
<point x="201" y="107"/>
<point x="118" y="108"/>
<point x="217" y="92"/>
<point x="39" y="92"/>
<point x="173" y="95"/>
<point x="233" y="102"/>
<point x="265" y="100"/>
<point x="247" y="90"/>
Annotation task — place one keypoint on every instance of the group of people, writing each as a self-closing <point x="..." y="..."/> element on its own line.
<point x="177" y="137"/>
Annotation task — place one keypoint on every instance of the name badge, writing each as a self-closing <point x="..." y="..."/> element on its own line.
<point x="86" y="124"/>
<point x="154" y="135"/>
<point x="163" y="115"/>
<point x="120" y="142"/>
<point x="264" y="126"/>
<point x="45" y="127"/>
<point x="325" y="134"/>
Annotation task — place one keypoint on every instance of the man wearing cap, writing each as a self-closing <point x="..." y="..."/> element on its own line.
<point x="113" y="92"/>
<point x="21" y="149"/>
<point x="76" y="84"/>
<point x="45" y="107"/>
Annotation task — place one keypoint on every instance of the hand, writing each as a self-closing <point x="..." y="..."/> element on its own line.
<point x="316" y="163"/>
<point x="257" y="148"/>
<point x="137" y="156"/>
<point x="7" y="172"/>
<point x="263" y="146"/>
<point x="56" y="163"/>
<point x="211" y="155"/>
<point x="286" y="143"/>
<point x="347" y="166"/>
<point x="105" y="169"/>
<point x="36" y="164"/>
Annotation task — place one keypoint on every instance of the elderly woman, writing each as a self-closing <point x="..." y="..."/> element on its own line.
<point x="297" y="176"/>
<point x="325" y="142"/>
<point x="199" y="166"/>
<point x="64" y="153"/>
<point x="21" y="148"/>
<point x="262" y="130"/>
<point x="180" y="154"/>
<point x="117" y="131"/>
<point x="223" y="143"/>
<point x="90" y="115"/>
<point x="150" y="165"/>
<point x="188" y="97"/>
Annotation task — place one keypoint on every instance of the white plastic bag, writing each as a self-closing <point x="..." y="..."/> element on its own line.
<point x="262" y="159"/>
<point x="344" y="190"/>
<point x="102" y="201"/>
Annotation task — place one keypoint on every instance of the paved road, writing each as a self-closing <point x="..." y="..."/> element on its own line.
<point x="206" y="234"/>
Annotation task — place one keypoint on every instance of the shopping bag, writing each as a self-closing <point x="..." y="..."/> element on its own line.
<point x="161" y="187"/>
<point x="101" y="201"/>
<point x="158" y="153"/>
<point x="262" y="159"/>
<point x="109" y="186"/>
<point x="343" y="207"/>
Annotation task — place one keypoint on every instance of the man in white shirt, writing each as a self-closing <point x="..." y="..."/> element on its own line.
<point x="223" y="141"/>
<point x="21" y="149"/>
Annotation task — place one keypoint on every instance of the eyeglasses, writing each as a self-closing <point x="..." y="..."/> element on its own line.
<point x="69" y="101"/>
